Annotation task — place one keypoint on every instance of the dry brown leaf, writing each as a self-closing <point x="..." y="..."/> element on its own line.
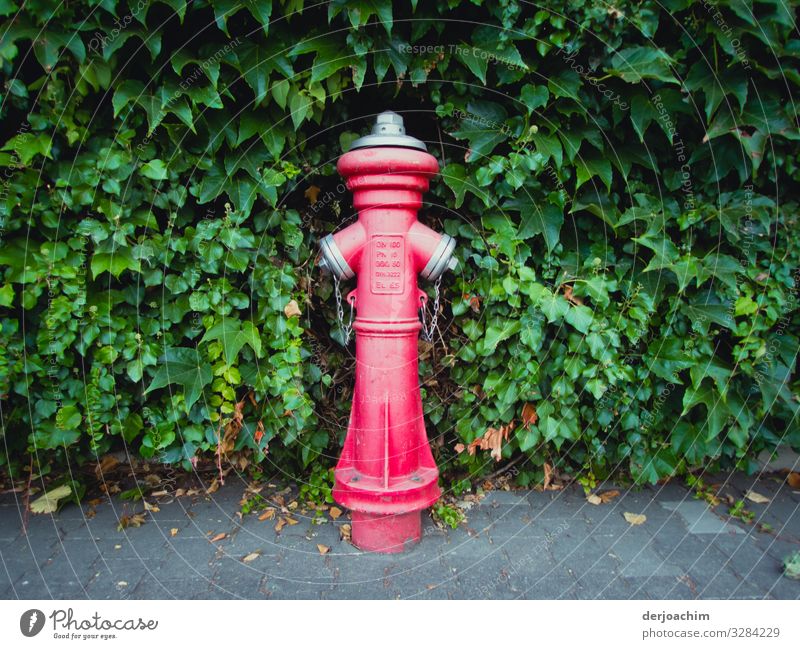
<point x="492" y="440"/>
<point x="106" y="464"/>
<point x="152" y="480"/>
<point x="292" y="506"/>
<point x="793" y="479"/>
<point x="335" y="512"/>
<point x="608" y="496"/>
<point x="757" y="498"/>
<point x="259" y="434"/>
<point x="548" y="476"/>
<point x="312" y="193"/>
<point x="569" y="296"/>
<point x="291" y="521"/>
<point x="345" y="531"/>
<point x="280" y="524"/>
<point x="635" y="519"/>
<point x="292" y="309"/>
<point x="529" y="416"/>
<point x="173" y="531"/>
<point x="323" y="549"/>
<point x="594" y="499"/>
<point x="136" y="520"/>
<point x="268" y="514"/>
<point x="150" y="508"/>
<point x="219" y="537"/>
<point x="252" y="556"/>
<point x="213" y="486"/>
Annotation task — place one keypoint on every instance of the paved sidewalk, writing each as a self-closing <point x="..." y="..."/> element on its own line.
<point x="520" y="544"/>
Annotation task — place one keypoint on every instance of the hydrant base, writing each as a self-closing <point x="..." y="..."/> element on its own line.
<point x="386" y="533"/>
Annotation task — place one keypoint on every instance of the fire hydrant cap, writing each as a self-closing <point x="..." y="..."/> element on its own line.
<point x="388" y="131"/>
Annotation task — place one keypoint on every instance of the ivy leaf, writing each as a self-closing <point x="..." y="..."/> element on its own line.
<point x="261" y="10"/>
<point x="257" y="62"/>
<point x="155" y="170"/>
<point x="114" y="262"/>
<point x="330" y="55"/>
<point x="455" y="177"/>
<point x="185" y="367"/>
<point x="580" y="317"/>
<point x="641" y="62"/>
<point x="536" y="219"/>
<point x="476" y="63"/>
<point x="534" y="97"/>
<point x="234" y="335"/>
<point x="589" y="166"/>
<point x="484" y="128"/>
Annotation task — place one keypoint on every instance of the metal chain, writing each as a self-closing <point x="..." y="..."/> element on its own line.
<point x="347" y="330"/>
<point x="427" y="333"/>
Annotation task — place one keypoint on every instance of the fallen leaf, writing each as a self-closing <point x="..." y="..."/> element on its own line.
<point x="323" y="549"/>
<point x="608" y="496"/>
<point x="48" y="503"/>
<point x="291" y="520"/>
<point x="106" y="464"/>
<point x="173" y="531"/>
<point x="213" y="486"/>
<point x="345" y="532"/>
<point x="793" y="479"/>
<point x="755" y="497"/>
<point x="292" y="506"/>
<point x="292" y="309"/>
<point x="268" y="514"/>
<point x="280" y="524"/>
<point x="335" y="512"/>
<point x="312" y="193"/>
<point x="125" y="521"/>
<point x="594" y="499"/>
<point x="219" y="537"/>
<point x="252" y="556"/>
<point x="152" y="480"/>
<point x="548" y="476"/>
<point x="635" y="519"/>
<point x="459" y="448"/>
<point x="150" y="508"/>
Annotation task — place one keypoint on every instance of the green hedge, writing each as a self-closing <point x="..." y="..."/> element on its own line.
<point x="620" y="180"/>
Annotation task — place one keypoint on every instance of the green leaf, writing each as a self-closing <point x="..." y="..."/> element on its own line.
<point x="455" y="177"/>
<point x="641" y="62"/>
<point x="234" y="335"/>
<point x="580" y="317"/>
<point x="534" y="97"/>
<point x="155" y="170"/>
<point x="472" y="58"/>
<point x="114" y="262"/>
<point x="589" y="166"/>
<point x="183" y="366"/>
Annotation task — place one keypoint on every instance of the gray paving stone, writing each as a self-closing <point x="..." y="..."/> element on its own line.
<point x="700" y="518"/>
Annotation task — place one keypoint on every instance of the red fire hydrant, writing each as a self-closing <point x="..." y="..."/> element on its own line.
<point x="386" y="474"/>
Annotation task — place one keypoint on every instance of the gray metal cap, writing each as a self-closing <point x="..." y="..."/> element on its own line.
<point x="388" y="131"/>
